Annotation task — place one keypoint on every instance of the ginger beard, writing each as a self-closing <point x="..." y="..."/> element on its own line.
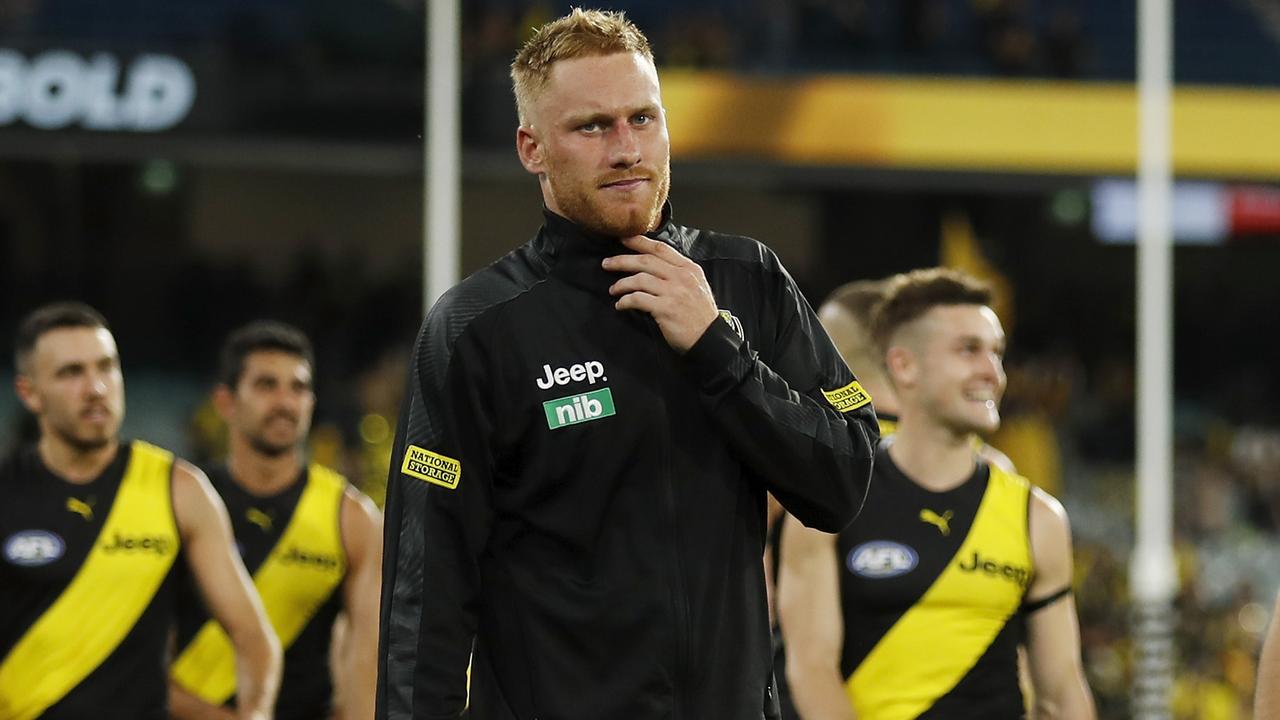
<point x="599" y="145"/>
<point x="606" y="210"/>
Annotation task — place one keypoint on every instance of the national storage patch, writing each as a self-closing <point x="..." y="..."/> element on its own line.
<point x="849" y="397"/>
<point x="431" y="467"/>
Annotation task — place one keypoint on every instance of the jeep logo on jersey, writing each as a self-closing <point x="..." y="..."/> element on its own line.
<point x="319" y="561"/>
<point x="995" y="569"/>
<point x="578" y="408"/>
<point x="590" y="371"/>
<point x="33" y="548"/>
<point x="881" y="559"/>
<point x="157" y="544"/>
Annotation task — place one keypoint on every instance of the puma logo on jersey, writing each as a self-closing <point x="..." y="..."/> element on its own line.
<point x="259" y="518"/>
<point x="81" y="508"/>
<point x="590" y="371"/>
<point x="942" y="522"/>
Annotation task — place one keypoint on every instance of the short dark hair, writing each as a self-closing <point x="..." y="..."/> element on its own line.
<point x="910" y="295"/>
<point x="260" y="336"/>
<point x="65" y="314"/>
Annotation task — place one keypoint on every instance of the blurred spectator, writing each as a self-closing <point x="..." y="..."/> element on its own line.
<point x="1006" y="37"/>
<point x="1064" y="44"/>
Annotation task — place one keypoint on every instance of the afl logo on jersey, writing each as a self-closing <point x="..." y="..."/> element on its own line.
<point x="33" y="548"/>
<point x="881" y="559"/>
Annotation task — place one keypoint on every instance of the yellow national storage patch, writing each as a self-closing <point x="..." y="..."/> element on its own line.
<point x="431" y="467"/>
<point x="849" y="397"/>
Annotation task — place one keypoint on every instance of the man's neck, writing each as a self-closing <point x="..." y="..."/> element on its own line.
<point x="883" y="398"/>
<point x="73" y="464"/>
<point x="261" y="474"/>
<point x="934" y="457"/>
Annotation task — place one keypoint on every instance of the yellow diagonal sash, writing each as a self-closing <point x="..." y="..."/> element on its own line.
<point x="297" y="578"/>
<point x="935" y="643"/>
<point x="121" y="574"/>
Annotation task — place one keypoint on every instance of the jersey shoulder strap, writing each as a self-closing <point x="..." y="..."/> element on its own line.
<point x="113" y="587"/>
<point x="299" y="575"/>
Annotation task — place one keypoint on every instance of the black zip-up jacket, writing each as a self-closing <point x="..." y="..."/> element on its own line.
<point x="585" y="508"/>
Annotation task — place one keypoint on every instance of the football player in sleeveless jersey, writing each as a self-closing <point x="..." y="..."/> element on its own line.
<point x="918" y="608"/>
<point x="92" y="530"/>
<point x="312" y="542"/>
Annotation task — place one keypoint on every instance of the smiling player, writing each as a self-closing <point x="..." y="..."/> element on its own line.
<point x="918" y="609"/>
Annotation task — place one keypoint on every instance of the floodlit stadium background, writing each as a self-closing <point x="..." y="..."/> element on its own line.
<point x="187" y="165"/>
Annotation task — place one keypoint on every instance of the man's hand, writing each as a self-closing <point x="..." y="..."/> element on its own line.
<point x="668" y="286"/>
<point x="227" y="590"/>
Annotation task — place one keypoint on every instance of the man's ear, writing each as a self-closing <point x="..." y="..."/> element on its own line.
<point x="901" y="365"/>
<point x="223" y="401"/>
<point x="27" y="394"/>
<point x="529" y="148"/>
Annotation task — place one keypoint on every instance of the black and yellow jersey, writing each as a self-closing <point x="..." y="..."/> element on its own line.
<point x="87" y="588"/>
<point x="291" y="544"/>
<point x="931" y="584"/>
<point x="888" y="424"/>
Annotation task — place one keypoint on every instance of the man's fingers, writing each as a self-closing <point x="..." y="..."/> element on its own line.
<point x="639" y="282"/>
<point x="643" y="244"/>
<point x="649" y="246"/>
<point x="638" y="264"/>
<point x="642" y="301"/>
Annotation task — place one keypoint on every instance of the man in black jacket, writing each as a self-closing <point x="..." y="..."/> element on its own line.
<point x="576" y="500"/>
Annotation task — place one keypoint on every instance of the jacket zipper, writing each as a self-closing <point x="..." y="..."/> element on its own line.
<point x="680" y="599"/>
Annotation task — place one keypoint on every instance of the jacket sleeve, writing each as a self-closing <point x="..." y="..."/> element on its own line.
<point x="438" y="516"/>
<point x="801" y="422"/>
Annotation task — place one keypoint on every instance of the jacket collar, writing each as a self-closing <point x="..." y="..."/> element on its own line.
<point x="574" y="253"/>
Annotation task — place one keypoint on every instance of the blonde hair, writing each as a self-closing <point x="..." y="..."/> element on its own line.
<point x="581" y="33"/>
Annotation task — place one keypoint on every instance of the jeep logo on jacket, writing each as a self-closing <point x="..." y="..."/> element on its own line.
<point x="590" y="371"/>
<point x="600" y="548"/>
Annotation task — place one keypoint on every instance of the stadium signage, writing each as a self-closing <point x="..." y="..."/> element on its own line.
<point x="58" y="89"/>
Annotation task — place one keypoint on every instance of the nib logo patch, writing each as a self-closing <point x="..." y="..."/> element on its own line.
<point x="577" y="409"/>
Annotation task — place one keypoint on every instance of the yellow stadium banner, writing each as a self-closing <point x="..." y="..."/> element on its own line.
<point x="984" y="125"/>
